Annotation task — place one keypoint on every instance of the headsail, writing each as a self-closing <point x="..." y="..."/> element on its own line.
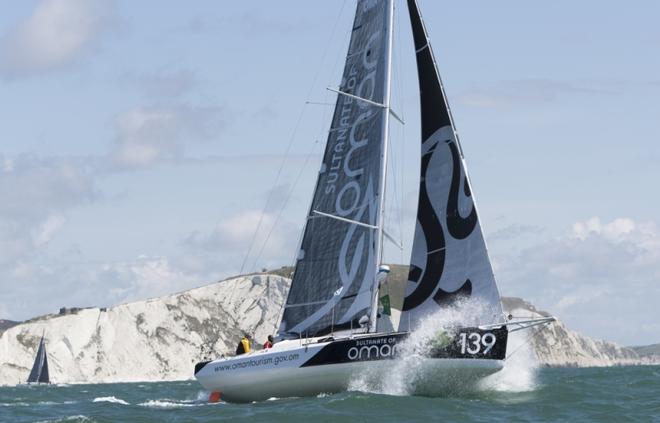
<point x="449" y="257"/>
<point x="334" y="281"/>
<point x="39" y="372"/>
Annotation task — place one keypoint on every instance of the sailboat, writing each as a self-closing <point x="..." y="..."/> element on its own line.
<point x="331" y="328"/>
<point x="39" y="372"/>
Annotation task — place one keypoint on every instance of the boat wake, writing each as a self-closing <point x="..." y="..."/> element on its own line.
<point x="111" y="399"/>
<point x="520" y="369"/>
<point x="200" y="399"/>
<point x="169" y="403"/>
<point x="411" y="373"/>
<point x="158" y="403"/>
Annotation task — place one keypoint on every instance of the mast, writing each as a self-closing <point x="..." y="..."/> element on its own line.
<point x="383" y="167"/>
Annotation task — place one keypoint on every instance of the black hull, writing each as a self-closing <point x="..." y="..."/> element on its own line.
<point x="461" y="343"/>
<point x="384" y="347"/>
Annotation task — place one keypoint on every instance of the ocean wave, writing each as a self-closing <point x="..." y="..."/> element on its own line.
<point x="55" y="403"/>
<point x="202" y="396"/>
<point x="112" y="399"/>
<point x="76" y="418"/>
<point x="167" y="403"/>
<point x="25" y="404"/>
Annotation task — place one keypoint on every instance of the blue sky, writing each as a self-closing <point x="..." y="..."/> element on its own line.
<point x="141" y="140"/>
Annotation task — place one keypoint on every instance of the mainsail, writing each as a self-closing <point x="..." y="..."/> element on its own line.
<point x="39" y="372"/>
<point x="334" y="281"/>
<point x="449" y="258"/>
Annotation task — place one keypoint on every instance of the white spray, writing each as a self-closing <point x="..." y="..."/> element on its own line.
<point x="410" y="374"/>
<point x="520" y="368"/>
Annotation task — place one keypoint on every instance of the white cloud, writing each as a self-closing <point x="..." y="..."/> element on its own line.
<point x="234" y="232"/>
<point x="529" y="91"/>
<point x="33" y="187"/>
<point x="617" y="230"/>
<point x="41" y="288"/>
<point x="163" y="85"/>
<point x="147" y="136"/>
<point x="514" y="231"/>
<point x="36" y="194"/>
<point x="15" y="242"/>
<point x="54" y="35"/>
<point x="254" y="23"/>
<point x="578" y="297"/>
<point x="603" y="278"/>
<point x="145" y="277"/>
<point x="47" y="229"/>
<point x="272" y="245"/>
<point x="7" y="164"/>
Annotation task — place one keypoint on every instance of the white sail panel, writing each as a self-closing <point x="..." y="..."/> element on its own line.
<point x="449" y="261"/>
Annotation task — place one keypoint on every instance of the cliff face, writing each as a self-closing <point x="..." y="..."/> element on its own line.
<point x="556" y="345"/>
<point x="652" y="352"/>
<point x="162" y="338"/>
<point x="6" y="324"/>
<point x="157" y="339"/>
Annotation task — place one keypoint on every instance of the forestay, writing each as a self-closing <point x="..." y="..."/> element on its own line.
<point x="333" y="284"/>
<point x="449" y="258"/>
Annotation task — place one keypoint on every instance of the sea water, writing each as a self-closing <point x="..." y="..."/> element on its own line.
<point x="616" y="394"/>
<point x="521" y="392"/>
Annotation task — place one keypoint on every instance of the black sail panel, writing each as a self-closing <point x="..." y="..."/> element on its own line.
<point x="44" y="376"/>
<point x="449" y="259"/>
<point x="39" y="372"/>
<point x="333" y="282"/>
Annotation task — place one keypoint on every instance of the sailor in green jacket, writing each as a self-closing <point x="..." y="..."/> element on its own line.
<point x="244" y="345"/>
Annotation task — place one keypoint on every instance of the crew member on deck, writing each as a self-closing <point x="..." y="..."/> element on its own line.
<point x="269" y="342"/>
<point x="244" y="345"/>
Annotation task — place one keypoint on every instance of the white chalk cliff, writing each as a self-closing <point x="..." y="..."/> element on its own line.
<point x="162" y="338"/>
<point x="156" y="339"/>
<point x="556" y="345"/>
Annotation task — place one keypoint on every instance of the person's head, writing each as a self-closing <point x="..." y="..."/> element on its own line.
<point x="246" y="335"/>
<point x="270" y="338"/>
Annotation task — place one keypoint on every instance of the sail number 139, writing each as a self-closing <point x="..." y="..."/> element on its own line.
<point x="475" y="343"/>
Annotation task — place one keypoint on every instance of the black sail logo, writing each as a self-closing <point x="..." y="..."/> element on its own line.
<point x="428" y="277"/>
<point x="435" y="243"/>
<point x="458" y="226"/>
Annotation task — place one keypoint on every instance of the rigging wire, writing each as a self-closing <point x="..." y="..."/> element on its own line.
<point x="290" y="143"/>
<point x="286" y="200"/>
<point x="272" y="190"/>
<point x="526" y="341"/>
<point x="322" y="134"/>
<point x="336" y="64"/>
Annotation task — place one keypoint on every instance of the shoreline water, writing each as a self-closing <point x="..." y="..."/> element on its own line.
<point x="568" y="394"/>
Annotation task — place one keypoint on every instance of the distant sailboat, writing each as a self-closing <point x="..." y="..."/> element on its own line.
<point x="331" y="328"/>
<point x="39" y="373"/>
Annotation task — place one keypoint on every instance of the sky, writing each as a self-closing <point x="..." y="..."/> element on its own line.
<point x="143" y="143"/>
